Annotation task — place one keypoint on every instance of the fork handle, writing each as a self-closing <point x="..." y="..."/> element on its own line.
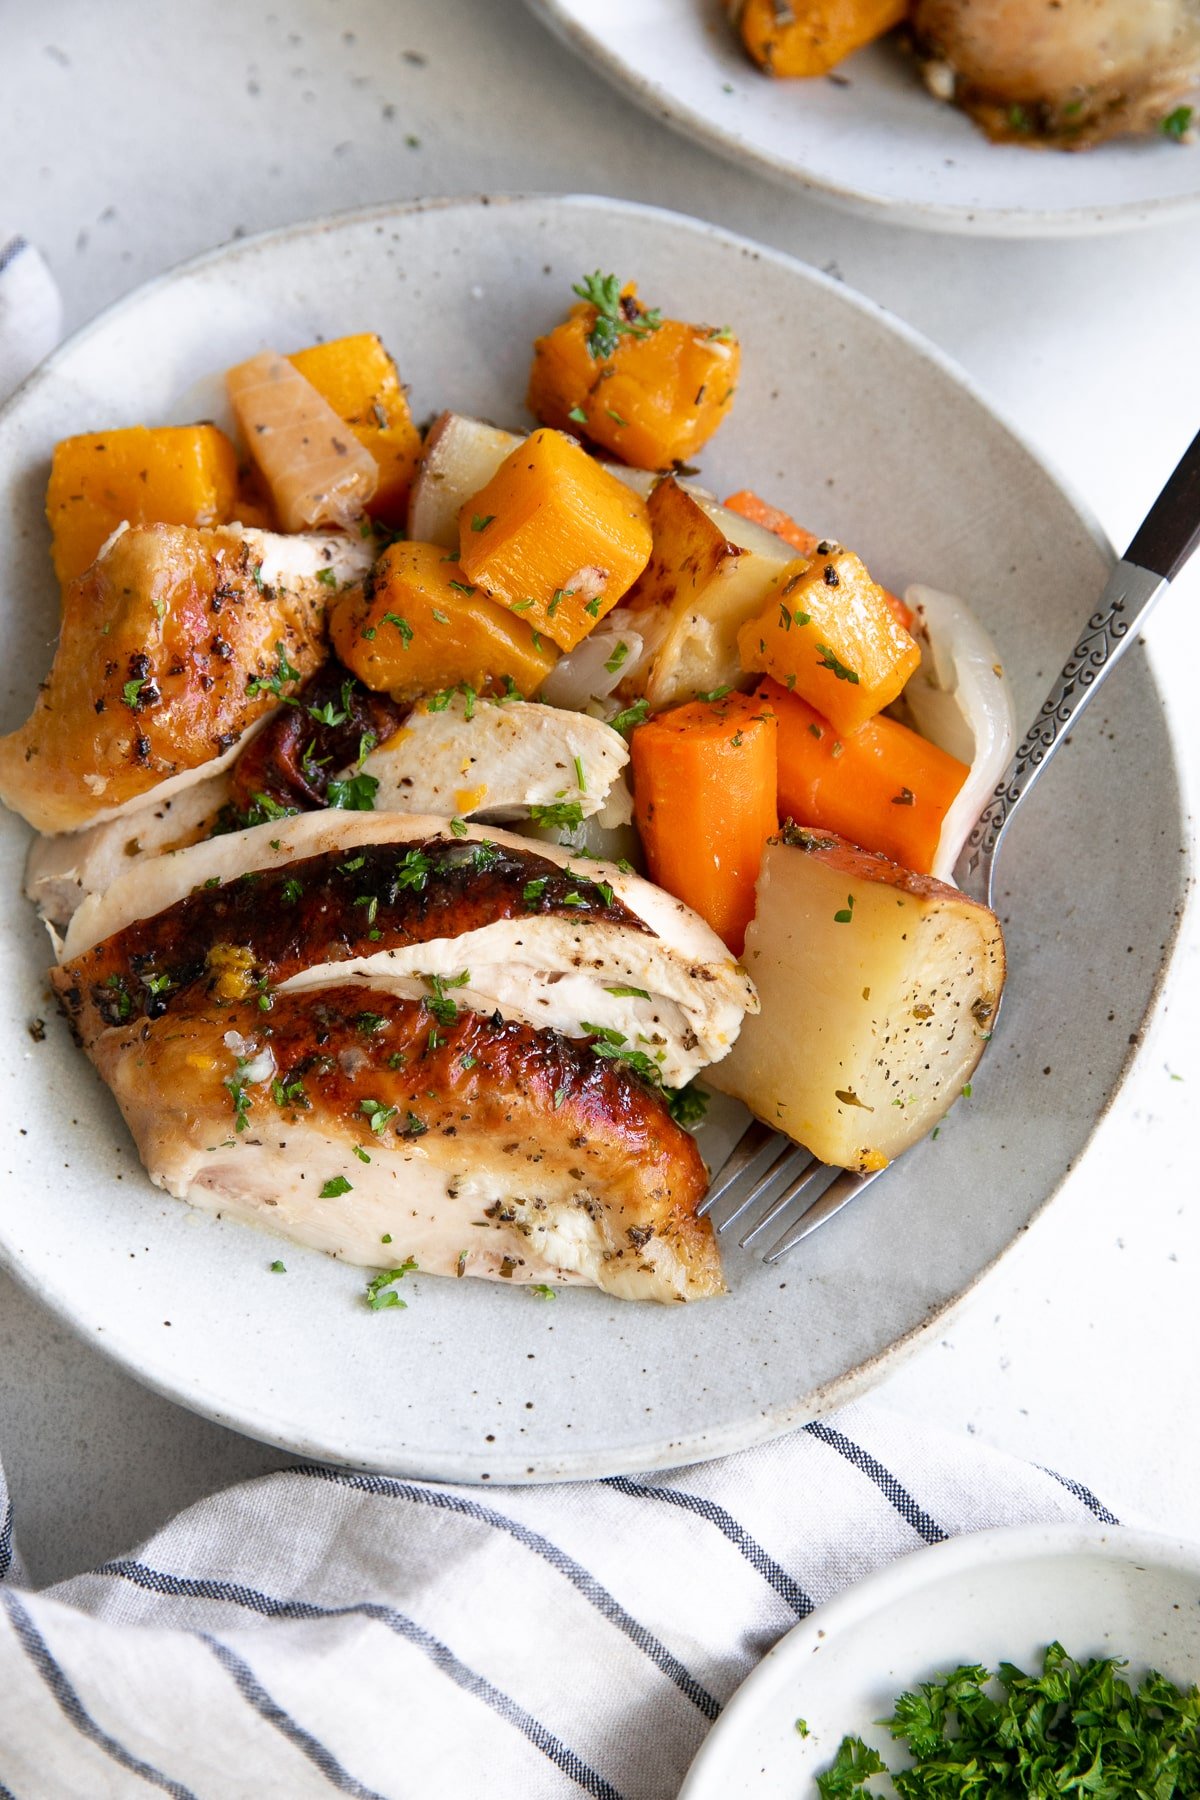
<point x="1162" y="544"/>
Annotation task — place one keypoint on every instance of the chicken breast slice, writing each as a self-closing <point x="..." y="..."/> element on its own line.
<point x="495" y="759"/>
<point x="473" y="1146"/>
<point x="402" y="902"/>
<point x="174" y="644"/>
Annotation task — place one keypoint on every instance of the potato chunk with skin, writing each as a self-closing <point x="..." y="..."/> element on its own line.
<point x="828" y="634"/>
<point x="172" y="475"/>
<point x="417" y="624"/>
<point x="461" y="455"/>
<point x="361" y="383"/>
<point x="554" y="537"/>
<point x="655" y="400"/>
<point x="810" y="37"/>
<point x="709" y="572"/>
<point x="878" y="989"/>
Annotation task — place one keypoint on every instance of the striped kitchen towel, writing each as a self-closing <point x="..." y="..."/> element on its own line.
<point x="319" y="1631"/>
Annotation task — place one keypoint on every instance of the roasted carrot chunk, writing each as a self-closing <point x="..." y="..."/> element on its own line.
<point x="761" y="512"/>
<point x="172" y="475"/>
<point x="828" y="634"/>
<point x="554" y="537"/>
<point x="810" y="37"/>
<point x="704" y="780"/>
<point x="650" y="390"/>
<point x="360" y="381"/>
<point x="417" y="624"/>
<point x="883" y="787"/>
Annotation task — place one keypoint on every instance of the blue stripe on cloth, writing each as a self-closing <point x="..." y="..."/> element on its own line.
<point x="252" y="1690"/>
<point x="1083" y="1494"/>
<point x="10" y="252"/>
<point x="584" y="1582"/>
<point x="156" y="1581"/>
<point x="771" y="1572"/>
<point x="6" y="1537"/>
<point x="38" y="1652"/>
<point x="884" y="1480"/>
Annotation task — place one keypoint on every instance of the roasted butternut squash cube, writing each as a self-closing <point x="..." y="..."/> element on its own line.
<point x="554" y="537"/>
<point x="810" y="37"/>
<point x="171" y="475"/>
<point x="417" y="625"/>
<point x="653" y="399"/>
<point x="828" y="634"/>
<point x="360" y="381"/>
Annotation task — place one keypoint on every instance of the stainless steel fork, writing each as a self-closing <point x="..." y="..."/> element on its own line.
<point x="767" y="1169"/>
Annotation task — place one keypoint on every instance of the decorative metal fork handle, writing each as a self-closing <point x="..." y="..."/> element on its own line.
<point x="1163" y="543"/>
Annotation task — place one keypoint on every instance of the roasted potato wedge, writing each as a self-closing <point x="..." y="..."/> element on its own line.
<point x="878" y="988"/>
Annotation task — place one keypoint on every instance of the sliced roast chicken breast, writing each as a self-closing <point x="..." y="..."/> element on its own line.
<point x="402" y="902"/>
<point x="472" y="1144"/>
<point x="174" y="644"/>
<point x="495" y="759"/>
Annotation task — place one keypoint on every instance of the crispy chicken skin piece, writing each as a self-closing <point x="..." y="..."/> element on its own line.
<point x="393" y="900"/>
<point x="480" y="1146"/>
<point x="173" y="646"/>
<point x="1044" y="73"/>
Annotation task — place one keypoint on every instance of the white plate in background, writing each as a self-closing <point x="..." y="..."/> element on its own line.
<point x="872" y="140"/>
<point x="982" y="1598"/>
<point x="870" y="436"/>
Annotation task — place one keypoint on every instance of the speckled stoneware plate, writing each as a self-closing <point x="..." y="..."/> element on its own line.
<point x="868" y="433"/>
<point x="871" y="139"/>
<point x="987" y="1597"/>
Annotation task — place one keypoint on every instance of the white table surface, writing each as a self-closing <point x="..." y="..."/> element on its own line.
<point x="136" y="133"/>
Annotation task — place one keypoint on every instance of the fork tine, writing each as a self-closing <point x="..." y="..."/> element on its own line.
<point x="789" y="1159"/>
<point x="757" y="1146"/>
<point x="806" y="1187"/>
<point x="840" y="1192"/>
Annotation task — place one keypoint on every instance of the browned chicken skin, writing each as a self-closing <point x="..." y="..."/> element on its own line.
<point x="1068" y="73"/>
<point x="478" y="1145"/>
<point x="170" y="650"/>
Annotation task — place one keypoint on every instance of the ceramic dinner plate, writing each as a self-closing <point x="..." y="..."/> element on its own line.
<point x="868" y="434"/>
<point x="872" y="139"/>
<point x="983" y="1598"/>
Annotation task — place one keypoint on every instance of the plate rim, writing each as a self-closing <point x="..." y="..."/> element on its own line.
<point x="709" y="1443"/>
<point x="935" y="215"/>
<point x="908" y="1574"/>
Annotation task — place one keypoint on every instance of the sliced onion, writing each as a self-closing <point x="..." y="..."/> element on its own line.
<point x="584" y="675"/>
<point x="960" y="700"/>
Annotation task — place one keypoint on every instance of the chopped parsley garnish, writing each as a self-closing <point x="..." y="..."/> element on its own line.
<point x="463" y="587"/>
<point x="627" y="993"/>
<point x="458" y="827"/>
<point x="715" y="694"/>
<point x="377" y="1113"/>
<point x="273" y="684"/>
<point x="326" y="576"/>
<point x="335" y="1187"/>
<point x="137" y="693"/>
<point x="278" y="1268"/>
<point x="542" y="1291"/>
<point x="381" y="1294"/>
<point x="414" y="870"/>
<point x="614" y="318"/>
<point x="290" y="1093"/>
<point x="580" y="783"/>
<point x="828" y="660"/>
<point x="356" y="793"/>
<point x="1076" y="1728"/>
<point x="327" y="714"/>
<point x="413" y="1126"/>
<point x="534" y="890"/>
<point x="1177" y="124"/>
<point x="615" y="417"/>
<point x="577" y="413"/>
<point x="369" y="1023"/>
<point x="443" y="1009"/>
<point x="617" y="658"/>
<point x="632" y="715"/>
<point x="687" y="1105"/>
<point x="844" y="915"/>
<point x="564" y="814"/>
<point x="593" y="606"/>
<point x="481" y="521"/>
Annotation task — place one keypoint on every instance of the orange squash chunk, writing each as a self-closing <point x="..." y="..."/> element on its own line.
<point x="883" y="787"/>
<point x="655" y="399"/>
<point x="554" y="537"/>
<point x="172" y="475"/>
<point x="810" y="37"/>
<point x="704" y="778"/>
<point x="417" y="624"/>
<point x="360" y="381"/>
<point x="828" y="634"/>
